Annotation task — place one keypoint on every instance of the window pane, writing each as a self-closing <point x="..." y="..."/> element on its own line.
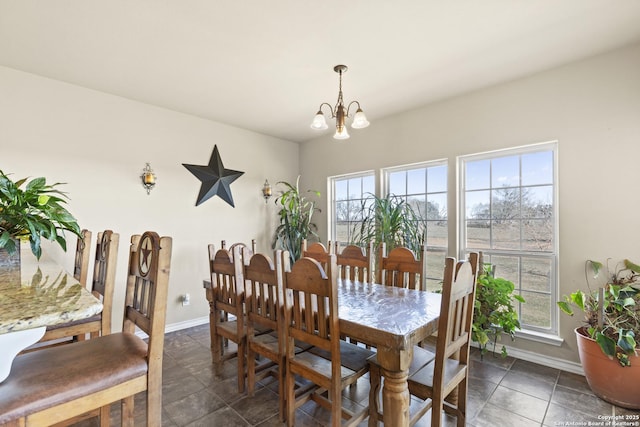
<point x="436" y="206"/>
<point x="477" y="174"/>
<point x="536" y="311"/>
<point x="417" y="181"/>
<point x="505" y="171"/>
<point x="537" y="235"/>
<point x="368" y="185"/>
<point x="537" y="202"/>
<point x="477" y="205"/>
<point x="398" y="183"/>
<point x="437" y="233"/>
<point x="505" y="203"/>
<point x="478" y="234"/>
<point x="341" y="190"/>
<point x="536" y="273"/>
<point x="355" y="188"/>
<point x="342" y="211"/>
<point x="537" y="168"/>
<point x="437" y="179"/>
<point x="418" y="204"/>
<point x="506" y="234"/>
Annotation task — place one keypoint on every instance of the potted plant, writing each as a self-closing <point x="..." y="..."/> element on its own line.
<point x="295" y="214"/>
<point x="33" y="210"/>
<point x="606" y="343"/>
<point x="494" y="312"/>
<point x="389" y="220"/>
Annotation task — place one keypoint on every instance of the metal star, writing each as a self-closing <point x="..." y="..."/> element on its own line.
<point x="216" y="180"/>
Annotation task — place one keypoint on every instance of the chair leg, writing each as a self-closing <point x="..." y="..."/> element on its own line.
<point x="127" y="411"/>
<point x="105" y="416"/>
<point x="436" y="408"/>
<point x="281" y="390"/>
<point x="462" y="403"/>
<point x="251" y="371"/>
<point x="154" y="406"/>
<point x="290" y="399"/>
<point x="374" y="395"/>
<point x="241" y="365"/>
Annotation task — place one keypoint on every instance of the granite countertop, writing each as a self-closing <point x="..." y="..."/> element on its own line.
<point x="42" y="294"/>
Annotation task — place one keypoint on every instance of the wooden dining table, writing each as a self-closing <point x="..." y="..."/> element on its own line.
<point x="393" y="320"/>
<point x="42" y="293"/>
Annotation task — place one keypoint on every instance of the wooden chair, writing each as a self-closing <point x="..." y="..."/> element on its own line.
<point x="226" y="310"/>
<point x="54" y="384"/>
<point x="355" y="263"/>
<point x="444" y="377"/>
<point x="223" y="245"/>
<point x="264" y="309"/>
<point x="401" y="268"/>
<point x="316" y="251"/>
<point x="81" y="259"/>
<point x="311" y="316"/>
<point x="102" y="286"/>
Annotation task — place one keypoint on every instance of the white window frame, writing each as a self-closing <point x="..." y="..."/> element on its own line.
<point x="442" y="251"/>
<point x="331" y="184"/>
<point x="536" y="333"/>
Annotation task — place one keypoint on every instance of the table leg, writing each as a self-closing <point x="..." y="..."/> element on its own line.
<point x="395" y="391"/>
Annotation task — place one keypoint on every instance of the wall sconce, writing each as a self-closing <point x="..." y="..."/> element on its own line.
<point x="148" y="178"/>
<point x="266" y="190"/>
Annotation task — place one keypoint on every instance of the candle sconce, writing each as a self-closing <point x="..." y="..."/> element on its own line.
<point x="148" y="178"/>
<point x="266" y="190"/>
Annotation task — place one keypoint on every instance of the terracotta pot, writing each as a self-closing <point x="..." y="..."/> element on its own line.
<point x="608" y="380"/>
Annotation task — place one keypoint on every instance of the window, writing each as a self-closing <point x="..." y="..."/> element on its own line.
<point x="509" y="210"/>
<point x="424" y="187"/>
<point x="349" y="194"/>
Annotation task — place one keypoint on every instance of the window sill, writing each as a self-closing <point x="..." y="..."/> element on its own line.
<point x="540" y="337"/>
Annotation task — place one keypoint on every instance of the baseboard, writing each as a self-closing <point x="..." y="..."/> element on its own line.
<point x="540" y="359"/>
<point x="186" y="324"/>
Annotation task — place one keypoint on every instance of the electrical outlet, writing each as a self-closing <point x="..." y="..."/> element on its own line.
<point x="186" y="299"/>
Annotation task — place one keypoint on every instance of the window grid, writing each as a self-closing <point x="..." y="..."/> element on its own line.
<point x="415" y="186"/>
<point x="532" y="269"/>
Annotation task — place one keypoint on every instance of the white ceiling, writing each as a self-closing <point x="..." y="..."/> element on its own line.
<point x="266" y="65"/>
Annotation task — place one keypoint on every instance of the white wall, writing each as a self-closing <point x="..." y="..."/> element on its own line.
<point x="591" y="107"/>
<point x="99" y="143"/>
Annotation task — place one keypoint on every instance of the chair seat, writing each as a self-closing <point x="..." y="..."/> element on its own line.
<point x="421" y="382"/>
<point x="70" y="372"/>
<point x="421" y="357"/>
<point x="351" y="356"/>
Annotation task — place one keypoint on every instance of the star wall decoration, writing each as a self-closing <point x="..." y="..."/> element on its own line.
<point x="216" y="180"/>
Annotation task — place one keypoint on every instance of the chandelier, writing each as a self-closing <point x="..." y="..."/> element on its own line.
<point x="340" y="113"/>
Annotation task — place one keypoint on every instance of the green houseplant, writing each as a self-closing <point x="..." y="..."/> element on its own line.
<point x="295" y="215"/>
<point x="389" y="220"/>
<point x="494" y="312"/>
<point x="607" y="342"/>
<point x="33" y="210"/>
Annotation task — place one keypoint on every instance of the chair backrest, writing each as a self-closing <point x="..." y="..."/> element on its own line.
<point x="145" y="303"/>
<point x="264" y="304"/>
<point x="311" y="306"/>
<point x="240" y="245"/>
<point x="401" y="268"/>
<point x="355" y="263"/>
<point x="456" y="310"/>
<point x="317" y="251"/>
<point x="104" y="274"/>
<point x="81" y="259"/>
<point x="228" y="293"/>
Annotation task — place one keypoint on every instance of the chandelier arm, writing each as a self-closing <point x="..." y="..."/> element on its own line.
<point x="333" y="114"/>
<point x="349" y="107"/>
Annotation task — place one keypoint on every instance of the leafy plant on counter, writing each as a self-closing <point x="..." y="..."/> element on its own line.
<point x="35" y="212"/>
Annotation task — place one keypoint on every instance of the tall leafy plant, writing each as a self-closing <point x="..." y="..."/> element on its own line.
<point x="36" y="211"/>
<point x="389" y="220"/>
<point x="295" y="214"/>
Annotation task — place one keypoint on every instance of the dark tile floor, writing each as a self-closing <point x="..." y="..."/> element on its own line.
<point x="502" y="392"/>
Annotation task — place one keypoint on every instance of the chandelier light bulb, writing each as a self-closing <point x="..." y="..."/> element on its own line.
<point x="319" y="122"/>
<point x="341" y="133"/>
<point x="359" y="120"/>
